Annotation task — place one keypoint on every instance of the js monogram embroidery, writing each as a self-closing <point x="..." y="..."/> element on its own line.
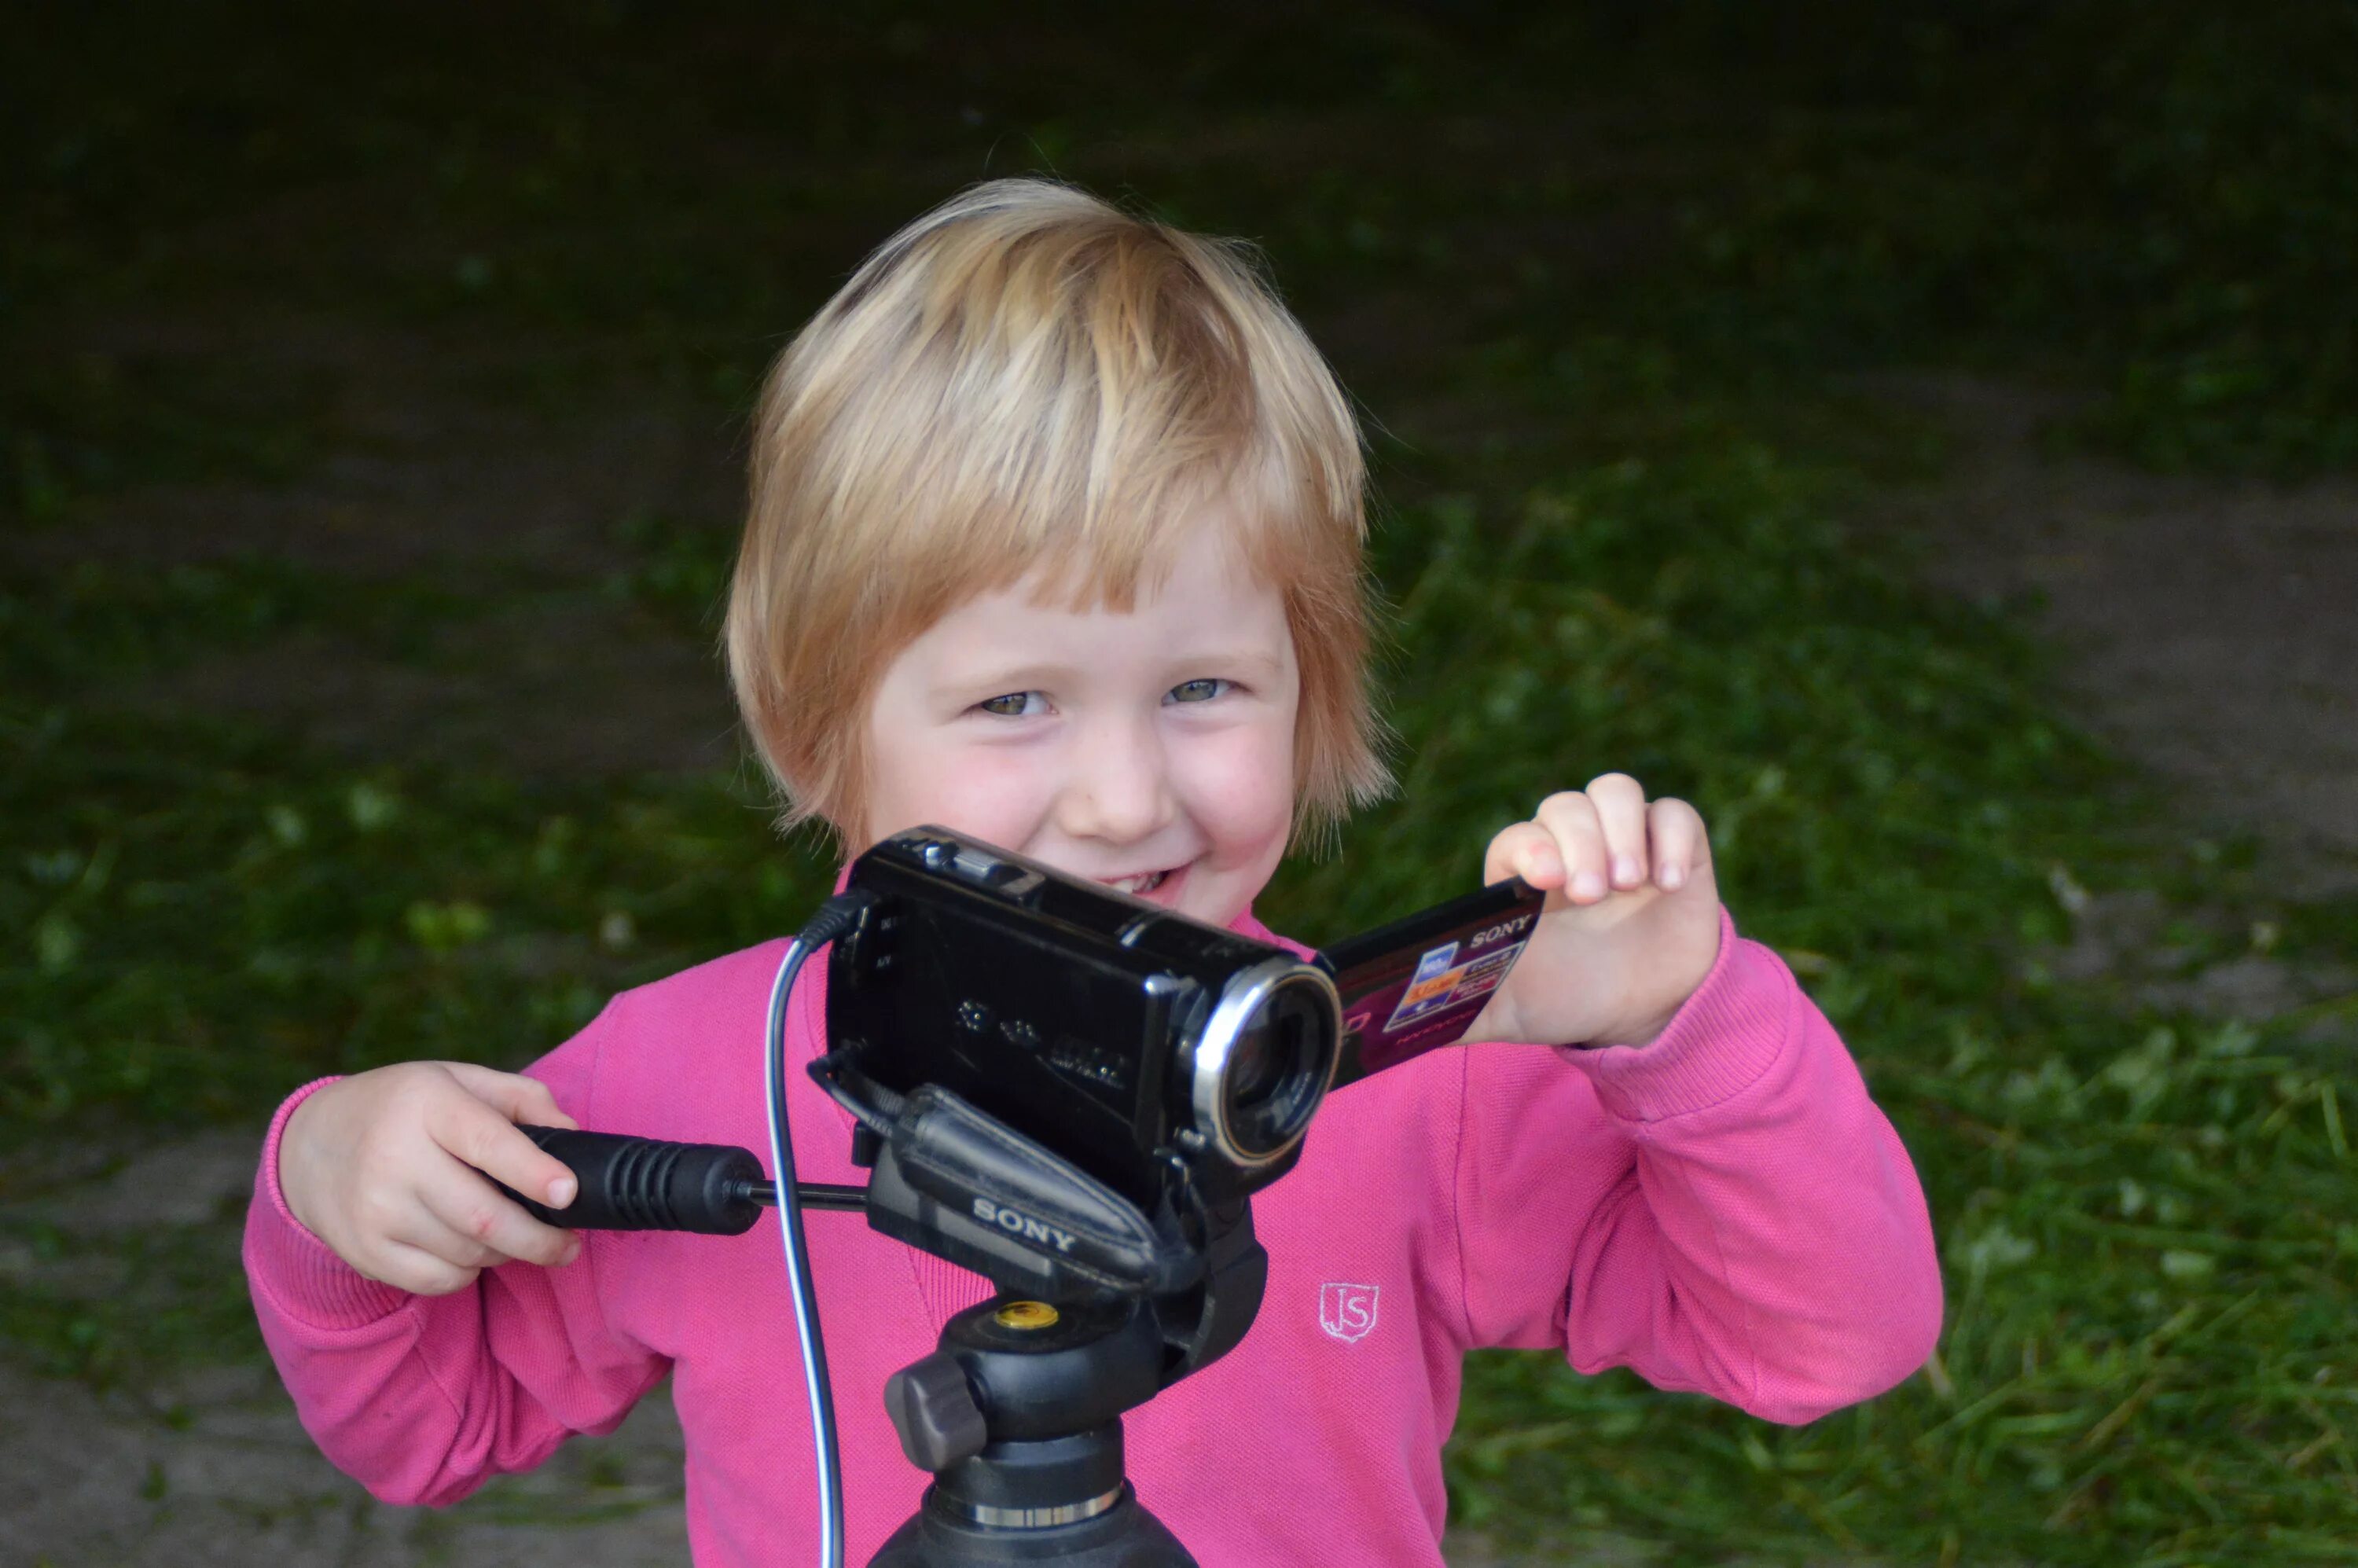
<point x="1347" y="1312"/>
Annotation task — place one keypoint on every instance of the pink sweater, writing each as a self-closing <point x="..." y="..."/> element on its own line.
<point x="1723" y="1210"/>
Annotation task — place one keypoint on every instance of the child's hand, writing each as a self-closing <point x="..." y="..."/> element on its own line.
<point x="387" y="1168"/>
<point x="1631" y="923"/>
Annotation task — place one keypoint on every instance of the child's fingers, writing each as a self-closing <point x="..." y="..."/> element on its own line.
<point x="466" y="1222"/>
<point x="1620" y="804"/>
<point x="513" y="1095"/>
<point x="1527" y="850"/>
<point x="441" y="1232"/>
<point x="1569" y="817"/>
<point x="1682" y="845"/>
<point x="483" y="1134"/>
<point x="419" y="1271"/>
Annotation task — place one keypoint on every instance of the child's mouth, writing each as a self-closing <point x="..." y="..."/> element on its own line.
<point x="1144" y="884"/>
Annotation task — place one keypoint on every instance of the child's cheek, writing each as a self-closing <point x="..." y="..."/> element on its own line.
<point x="997" y="793"/>
<point x="992" y="794"/>
<point x="1239" y="788"/>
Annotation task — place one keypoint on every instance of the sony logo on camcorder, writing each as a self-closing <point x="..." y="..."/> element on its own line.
<point x="1023" y="1225"/>
<point x="1484" y="938"/>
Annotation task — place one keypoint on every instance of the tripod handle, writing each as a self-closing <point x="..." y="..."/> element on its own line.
<point x="645" y="1183"/>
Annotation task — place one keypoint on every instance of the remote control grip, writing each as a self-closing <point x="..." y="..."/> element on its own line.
<point x="644" y="1183"/>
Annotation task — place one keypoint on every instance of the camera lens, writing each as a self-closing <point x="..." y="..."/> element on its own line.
<point x="1265" y="1061"/>
<point x="1267" y="1049"/>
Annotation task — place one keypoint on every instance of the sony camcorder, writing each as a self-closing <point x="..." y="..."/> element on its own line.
<point x="1153" y="1069"/>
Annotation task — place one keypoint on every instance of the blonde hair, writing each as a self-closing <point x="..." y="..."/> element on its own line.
<point x="1027" y="378"/>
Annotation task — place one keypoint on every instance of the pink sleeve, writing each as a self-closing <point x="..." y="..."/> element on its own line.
<point x="1723" y="1211"/>
<point x="422" y="1399"/>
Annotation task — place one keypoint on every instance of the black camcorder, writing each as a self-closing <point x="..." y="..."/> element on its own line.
<point x="1113" y="1030"/>
<point x="1155" y="1070"/>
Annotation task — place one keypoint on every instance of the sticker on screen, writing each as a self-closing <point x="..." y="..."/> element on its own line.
<point x="1417" y="984"/>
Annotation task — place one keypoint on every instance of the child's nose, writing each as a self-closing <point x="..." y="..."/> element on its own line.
<point x="1119" y="790"/>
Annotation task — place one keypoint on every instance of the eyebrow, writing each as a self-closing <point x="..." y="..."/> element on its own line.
<point x="1021" y="678"/>
<point x="1015" y="677"/>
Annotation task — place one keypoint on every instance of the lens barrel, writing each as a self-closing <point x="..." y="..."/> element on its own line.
<point x="1263" y="1060"/>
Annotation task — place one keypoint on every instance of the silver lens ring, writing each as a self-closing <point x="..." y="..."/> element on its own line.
<point x="1238" y="1006"/>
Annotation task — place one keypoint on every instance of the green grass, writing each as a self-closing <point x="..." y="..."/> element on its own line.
<point x="206" y="920"/>
<point x="1601" y="283"/>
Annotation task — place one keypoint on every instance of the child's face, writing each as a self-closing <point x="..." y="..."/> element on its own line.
<point x="1156" y="743"/>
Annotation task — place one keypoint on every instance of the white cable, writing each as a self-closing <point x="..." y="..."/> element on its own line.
<point x="790" y="1229"/>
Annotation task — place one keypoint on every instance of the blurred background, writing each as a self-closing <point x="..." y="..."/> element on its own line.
<point x="1922" y="435"/>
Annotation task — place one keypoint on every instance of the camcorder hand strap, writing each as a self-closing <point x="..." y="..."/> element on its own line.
<point x="962" y="1185"/>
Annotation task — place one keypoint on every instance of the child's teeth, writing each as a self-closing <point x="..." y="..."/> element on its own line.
<point x="1140" y="884"/>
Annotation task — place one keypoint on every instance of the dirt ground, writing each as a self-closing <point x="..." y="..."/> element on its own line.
<point x="2209" y="630"/>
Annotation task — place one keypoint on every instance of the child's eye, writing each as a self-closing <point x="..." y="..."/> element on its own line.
<point x="1198" y="690"/>
<point x="1014" y="705"/>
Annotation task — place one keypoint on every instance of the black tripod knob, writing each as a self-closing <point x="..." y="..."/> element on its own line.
<point x="934" y="1410"/>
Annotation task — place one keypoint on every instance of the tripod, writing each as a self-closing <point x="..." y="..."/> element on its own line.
<point x="1017" y="1414"/>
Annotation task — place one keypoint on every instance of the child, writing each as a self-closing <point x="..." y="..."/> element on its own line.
<point x="1055" y="539"/>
